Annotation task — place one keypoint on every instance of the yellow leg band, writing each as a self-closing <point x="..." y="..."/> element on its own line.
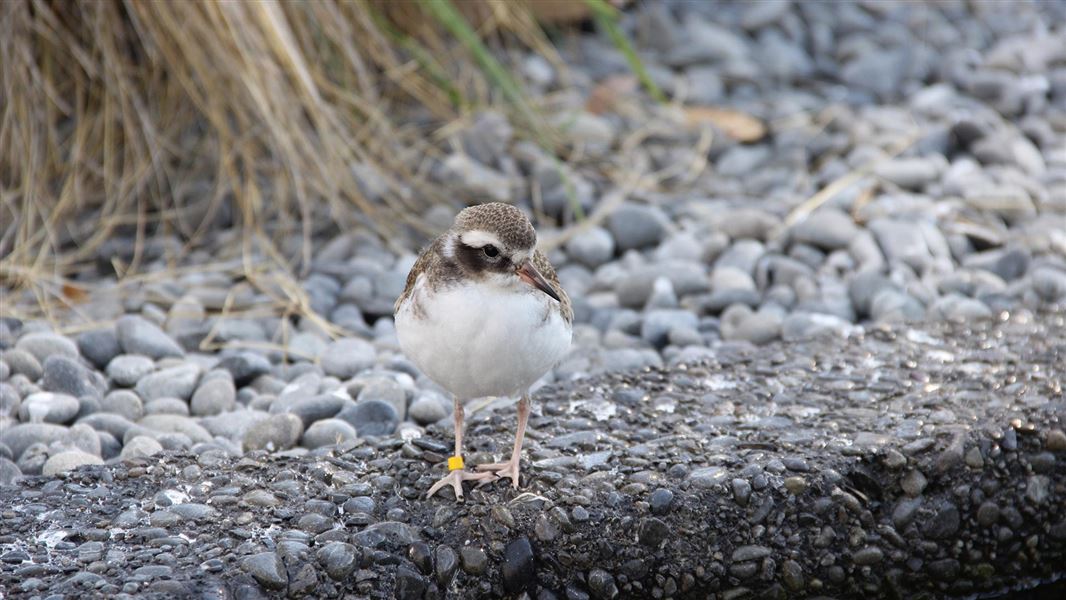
<point x="455" y="463"/>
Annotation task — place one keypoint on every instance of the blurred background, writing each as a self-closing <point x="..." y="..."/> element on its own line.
<point x="208" y="209"/>
<point x="258" y="140"/>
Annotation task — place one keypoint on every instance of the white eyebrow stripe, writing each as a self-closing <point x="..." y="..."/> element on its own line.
<point x="478" y="239"/>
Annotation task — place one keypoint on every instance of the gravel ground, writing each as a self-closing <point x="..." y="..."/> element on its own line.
<point x="892" y="162"/>
<point x="902" y="463"/>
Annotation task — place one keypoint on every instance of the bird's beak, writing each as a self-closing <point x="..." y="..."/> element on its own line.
<point x="529" y="274"/>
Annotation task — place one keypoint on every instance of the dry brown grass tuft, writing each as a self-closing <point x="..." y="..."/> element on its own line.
<point x="144" y="118"/>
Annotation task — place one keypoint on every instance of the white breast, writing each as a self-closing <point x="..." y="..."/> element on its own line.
<point x="477" y="340"/>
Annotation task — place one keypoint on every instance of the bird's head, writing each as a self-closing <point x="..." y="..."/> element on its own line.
<point x="496" y="242"/>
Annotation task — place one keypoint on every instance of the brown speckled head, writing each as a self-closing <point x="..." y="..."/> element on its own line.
<point x="508" y="224"/>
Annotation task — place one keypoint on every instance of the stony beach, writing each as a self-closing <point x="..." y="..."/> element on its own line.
<point x="818" y="343"/>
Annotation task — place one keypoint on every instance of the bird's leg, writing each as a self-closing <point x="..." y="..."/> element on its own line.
<point x="511" y="467"/>
<point x="457" y="474"/>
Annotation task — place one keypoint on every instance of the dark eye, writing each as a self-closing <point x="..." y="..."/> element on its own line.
<point x="491" y="251"/>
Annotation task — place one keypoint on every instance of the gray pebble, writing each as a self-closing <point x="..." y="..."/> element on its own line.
<point x="267" y="569"/>
<point x="141" y="446"/>
<point x="166" y="406"/>
<point x="347" y="357"/>
<point x="214" y="396"/>
<point x="591" y="247"/>
<point x="327" y="432"/>
<point x="44" y="344"/>
<point x="22" y="363"/>
<point x="49" y="407"/>
<point x="168" y="423"/>
<point x="137" y="335"/>
<point x="173" y="382"/>
<point x="99" y="346"/>
<point x="428" y="408"/>
<point x="636" y="226"/>
<point x="474" y="560"/>
<point x="339" y="559"/>
<point x="279" y="432"/>
<point x="658" y="324"/>
<point x="127" y="369"/>
<point x="371" y="417"/>
<point x="67" y="461"/>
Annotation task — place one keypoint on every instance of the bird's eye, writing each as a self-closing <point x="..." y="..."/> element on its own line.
<point x="491" y="251"/>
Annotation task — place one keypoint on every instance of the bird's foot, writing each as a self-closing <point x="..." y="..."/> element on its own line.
<point x="456" y="479"/>
<point x="501" y="470"/>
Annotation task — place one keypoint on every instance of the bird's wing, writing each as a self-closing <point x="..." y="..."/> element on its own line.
<point x="422" y="264"/>
<point x="541" y="262"/>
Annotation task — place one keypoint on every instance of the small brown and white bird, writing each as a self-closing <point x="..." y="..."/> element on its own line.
<point x="483" y="314"/>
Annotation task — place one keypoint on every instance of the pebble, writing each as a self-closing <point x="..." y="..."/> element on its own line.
<point x="67" y="461"/>
<point x="22" y="363"/>
<point x="371" y="417"/>
<point x="127" y="369"/>
<point x="381" y="389"/>
<point x="828" y="229"/>
<point x="635" y="226"/>
<point x="347" y="357"/>
<point x="267" y="569"/>
<point x="913" y="483"/>
<point x="99" y="347"/>
<point x="49" y="407"/>
<point x="67" y="376"/>
<point x="339" y="559"/>
<point x="867" y="556"/>
<point x="43" y="344"/>
<point x="173" y="382"/>
<point x="660" y="501"/>
<point x="327" y="432"/>
<point x="213" y="396"/>
<point x="474" y="560"/>
<point x="137" y="335"/>
<point x="174" y="423"/>
<point x="591" y="247"/>
<point x="140" y="446"/>
<point x="517" y="569"/>
<point x="428" y="408"/>
<point x="279" y="432"/>
<point x="659" y="323"/>
<point x="245" y="366"/>
<point x="447" y="563"/>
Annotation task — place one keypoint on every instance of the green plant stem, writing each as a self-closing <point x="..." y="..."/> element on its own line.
<point x="606" y="19"/>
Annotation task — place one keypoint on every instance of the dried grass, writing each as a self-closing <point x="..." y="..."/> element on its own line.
<point x="144" y="118"/>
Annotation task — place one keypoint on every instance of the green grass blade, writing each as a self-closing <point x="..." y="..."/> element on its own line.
<point x="606" y="19"/>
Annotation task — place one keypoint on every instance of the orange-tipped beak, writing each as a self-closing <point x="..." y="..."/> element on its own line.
<point x="529" y="274"/>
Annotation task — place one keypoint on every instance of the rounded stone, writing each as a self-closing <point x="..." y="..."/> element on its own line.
<point x="339" y="559"/>
<point x="123" y="402"/>
<point x="371" y="417"/>
<point x="67" y="461"/>
<point x="141" y="446"/>
<point x="138" y="335"/>
<point x="66" y="375"/>
<point x="474" y="560"/>
<point x="44" y="344"/>
<point x="267" y="569"/>
<point x="591" y="247"/>
<point x="279" y="432"/>
<point x="427" y="408"/>
<point x="127" y="369"/>
<point x="23" y="363"/>
<point x="49" y="407"/>
<point x="327" y="432"/>
<point x="346" y="357"/>
<point x="214" y="396"/>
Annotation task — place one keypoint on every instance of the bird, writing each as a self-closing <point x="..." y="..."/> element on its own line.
<point x="483" y="314"/>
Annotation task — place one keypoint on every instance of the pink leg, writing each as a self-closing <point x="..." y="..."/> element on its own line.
<point x="511" y="467"/>
<point x="457" y="477"/>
